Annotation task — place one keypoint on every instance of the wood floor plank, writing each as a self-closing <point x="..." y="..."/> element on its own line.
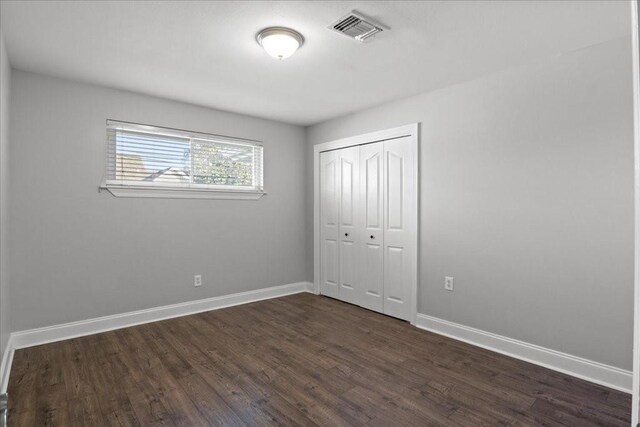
<point x="115" y="407"/>
<point x="300" y="360"/>
<point x="84" y="410"/>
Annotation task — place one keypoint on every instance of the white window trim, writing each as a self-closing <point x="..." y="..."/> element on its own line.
<point x="179" y="193"/>
<point x="167" y="191"/>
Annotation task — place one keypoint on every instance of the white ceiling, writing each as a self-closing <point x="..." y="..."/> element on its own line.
<point x="205" y="52"/>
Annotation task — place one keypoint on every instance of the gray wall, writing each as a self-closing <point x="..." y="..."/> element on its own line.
<point x="79" y="254"/>
<point x="526" y="199"/>
<point x="5" y="76"/>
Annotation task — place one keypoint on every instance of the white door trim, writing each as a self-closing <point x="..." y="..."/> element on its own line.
<point x="410" y="130"/>
<point x="635" y="46"/>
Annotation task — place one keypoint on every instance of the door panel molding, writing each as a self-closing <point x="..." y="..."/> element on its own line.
<point x="330" y="228"/>
<point x="400" y="253"/>
<point x="349" y="223"/>
<point x="372" y="247"/>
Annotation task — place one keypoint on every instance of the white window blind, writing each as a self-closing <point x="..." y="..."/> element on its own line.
<point x="150" y="157"/>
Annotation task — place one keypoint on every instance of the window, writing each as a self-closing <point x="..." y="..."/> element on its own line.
<point x="147" y="161"/>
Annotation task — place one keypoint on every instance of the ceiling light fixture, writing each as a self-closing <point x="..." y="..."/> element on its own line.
<point x="280" y="42"/>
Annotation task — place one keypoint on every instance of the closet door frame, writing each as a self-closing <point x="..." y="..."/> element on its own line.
<point x="411" y="131"/>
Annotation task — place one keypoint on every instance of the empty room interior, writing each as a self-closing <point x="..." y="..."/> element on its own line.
<point x="319" y="213"/>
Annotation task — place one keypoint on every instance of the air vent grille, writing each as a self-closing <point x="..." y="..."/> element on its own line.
<point x="347" y="23"/>
<point x="357" y="27"/>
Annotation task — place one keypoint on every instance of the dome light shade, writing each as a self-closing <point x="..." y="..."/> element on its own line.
<point x="280" y="42"/>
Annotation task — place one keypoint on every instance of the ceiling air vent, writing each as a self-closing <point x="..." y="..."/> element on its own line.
<point x="357" y="27"/>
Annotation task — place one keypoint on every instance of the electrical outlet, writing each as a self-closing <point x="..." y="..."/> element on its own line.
<point x="448" y="283"/>
<point x="197" y="280"/>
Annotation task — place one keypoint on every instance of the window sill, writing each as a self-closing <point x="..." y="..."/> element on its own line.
<point x="180" y="193"/>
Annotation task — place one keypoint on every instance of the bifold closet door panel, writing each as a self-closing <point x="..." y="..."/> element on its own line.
<point x="329" y="223"/>
<point x="399" y="196"/>
<point x="350" y="223"/>
<point x="371" y="243"/>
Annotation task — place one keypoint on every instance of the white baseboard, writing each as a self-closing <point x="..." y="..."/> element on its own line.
<point x="66" y="331"/>
<point x="599" y="373"/>
<point x="5" y="366"/>
<point x="589" y="370"/>
<point x="309" y="287"/>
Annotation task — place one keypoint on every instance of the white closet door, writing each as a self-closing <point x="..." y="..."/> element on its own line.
<point x="372" y="209"/>
<point x="368" y="225"/>
<point x="399" y="227"/>
<point x="349" y="223"/>
<point x="329" y="223"/>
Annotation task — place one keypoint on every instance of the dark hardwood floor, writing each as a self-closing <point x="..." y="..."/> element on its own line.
<point x="297" y="360"/>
